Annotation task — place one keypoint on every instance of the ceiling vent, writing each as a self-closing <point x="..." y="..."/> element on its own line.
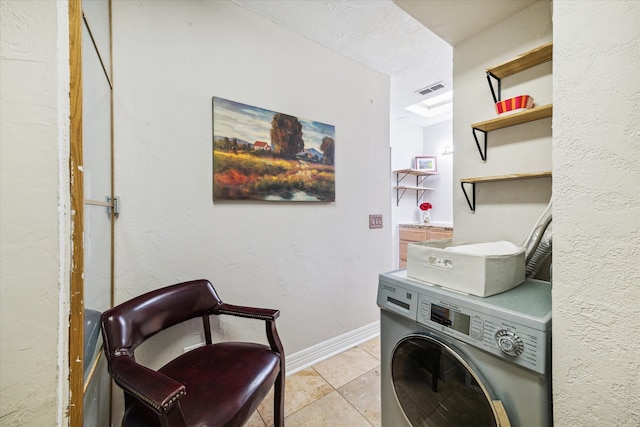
<point x="432" y="88"/>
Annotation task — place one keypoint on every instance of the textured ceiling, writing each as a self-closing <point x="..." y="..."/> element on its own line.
<point x="381" y="35"/>
<point x="458" y="20"/>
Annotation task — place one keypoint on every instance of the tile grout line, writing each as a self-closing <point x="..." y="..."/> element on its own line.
<point x="349" y="402"/>
<point x="313" y="401"/>
<point x="333" y="388"/>
<point x="337" y="391"/>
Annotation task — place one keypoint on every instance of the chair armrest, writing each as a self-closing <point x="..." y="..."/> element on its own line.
<point x="266" y="314"/>
<point x="156" y="390"/>
<point x="251" y="312"/>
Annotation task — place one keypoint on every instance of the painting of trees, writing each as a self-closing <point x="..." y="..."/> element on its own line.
<point x="286" y="136"/>
<point x="328" y="148"/>
<point x="260" y="154"/>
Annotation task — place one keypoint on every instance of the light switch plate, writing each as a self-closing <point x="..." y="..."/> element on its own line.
<point x="375" y="221"/>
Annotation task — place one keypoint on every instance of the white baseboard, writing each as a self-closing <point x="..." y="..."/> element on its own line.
<point x="324" y="350"/>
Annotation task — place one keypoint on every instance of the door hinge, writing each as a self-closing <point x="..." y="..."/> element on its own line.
<point x="114" y="207"/>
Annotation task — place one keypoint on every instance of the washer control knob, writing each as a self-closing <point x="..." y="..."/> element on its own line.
<point x="509" y="343"/>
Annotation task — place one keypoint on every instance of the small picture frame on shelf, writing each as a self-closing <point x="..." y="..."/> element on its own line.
<point x="426" y="164"/>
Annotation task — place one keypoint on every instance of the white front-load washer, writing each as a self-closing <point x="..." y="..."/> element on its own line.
<point x="451" y="359"/>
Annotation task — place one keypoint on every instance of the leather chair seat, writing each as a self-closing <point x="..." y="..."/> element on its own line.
<point x="213" y="373"/>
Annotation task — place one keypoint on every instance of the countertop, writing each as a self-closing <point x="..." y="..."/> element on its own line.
<point x="426" y="224"/>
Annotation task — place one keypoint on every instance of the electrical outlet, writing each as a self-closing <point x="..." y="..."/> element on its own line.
<point x="375" y="221"/>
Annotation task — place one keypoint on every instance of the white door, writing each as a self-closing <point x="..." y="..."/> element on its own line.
<point x="98" y="205"/>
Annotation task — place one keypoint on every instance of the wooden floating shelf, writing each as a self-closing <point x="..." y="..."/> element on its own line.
<point x="510" y="177"/>
<point x="515" y="119"/>
<point x="420" y="175"/>
<point x="539" y="55"/>
<point x="527" y="60"/>
<point x="471" y="201"/>
<point x="409" y="187"/>
<point x="416" y="172"/>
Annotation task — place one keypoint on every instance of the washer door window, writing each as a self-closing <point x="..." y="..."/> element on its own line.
<point x="437" y="387"/>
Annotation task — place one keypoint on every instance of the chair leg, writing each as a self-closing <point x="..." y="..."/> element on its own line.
<point x="278" y="401"/>
<point x="173" y="417"/>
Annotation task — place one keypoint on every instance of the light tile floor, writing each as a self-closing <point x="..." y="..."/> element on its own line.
<point x="343" y="390"/>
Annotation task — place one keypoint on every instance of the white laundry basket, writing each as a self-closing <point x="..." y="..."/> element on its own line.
<point x="480" y="269"/>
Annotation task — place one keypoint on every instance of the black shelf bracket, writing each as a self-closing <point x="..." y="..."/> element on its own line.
<point x="420" y="180"/>
<point x="471" y="202"/>
<point x="400" y="192"/>
<point x="496" y="93"/>
<point x="398" y="179"/>
<point x="483" y="154"/>
<point x="419" y="194"/>
<point x="399" y="195"/>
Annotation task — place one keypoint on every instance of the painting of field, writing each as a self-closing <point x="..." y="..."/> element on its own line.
<point x="260" y="154"/>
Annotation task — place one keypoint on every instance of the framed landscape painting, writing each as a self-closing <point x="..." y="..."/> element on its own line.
<point x="260" y="154"/>
<point x="426" y="164"/>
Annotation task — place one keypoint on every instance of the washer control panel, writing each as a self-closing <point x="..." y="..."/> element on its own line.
<point x="522" y="345"/>
<point x="399" y="300"/>
<point x="509" y="342"/>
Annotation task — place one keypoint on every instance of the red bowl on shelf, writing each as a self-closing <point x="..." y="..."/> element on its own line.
<point x="514" y="105"/>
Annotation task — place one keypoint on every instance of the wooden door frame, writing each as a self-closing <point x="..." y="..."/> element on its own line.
<point x="76" y="305"/>
<point x="76" y="301"/>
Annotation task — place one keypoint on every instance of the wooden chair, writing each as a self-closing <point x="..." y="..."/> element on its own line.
<point x="215" y="385"/>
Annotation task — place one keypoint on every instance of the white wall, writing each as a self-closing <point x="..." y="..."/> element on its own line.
<point x="34" y="212"/>
<point x="504" y="210"/>
<point x="436" y="139"/>
<point x="596" y="272"/>
<point x="317" y="262"/>
<point x="406" y="143"/>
